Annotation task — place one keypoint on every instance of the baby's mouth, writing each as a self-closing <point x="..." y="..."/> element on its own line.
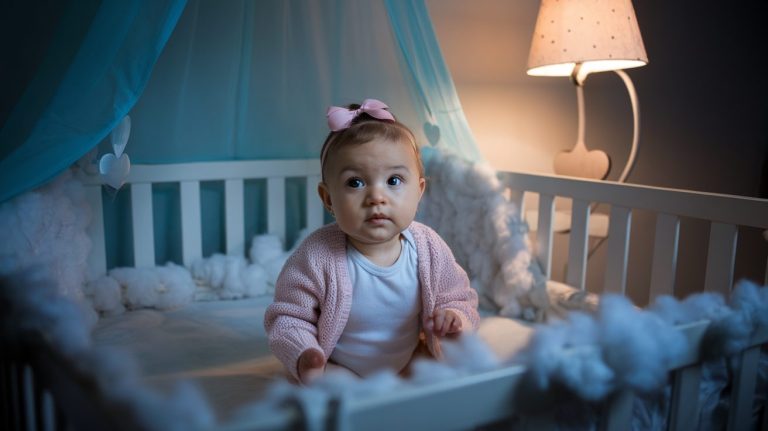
<point x="377" y="218"/>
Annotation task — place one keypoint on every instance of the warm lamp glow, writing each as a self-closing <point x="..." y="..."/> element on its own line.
<point x="578" y="37"/>
<point x="566" y="69"/>
<point x="601" y="35"/>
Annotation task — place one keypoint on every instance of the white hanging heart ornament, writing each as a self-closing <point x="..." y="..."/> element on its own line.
<point x="120" y="135"/>
<point x="432" y="133"/>
<point x="114" y="170"/>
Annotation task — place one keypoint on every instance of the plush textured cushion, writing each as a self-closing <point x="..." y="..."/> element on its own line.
<point x="466" y="204"/>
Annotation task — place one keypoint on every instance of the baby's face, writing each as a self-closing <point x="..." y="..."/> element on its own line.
<point x="373" y="190"/>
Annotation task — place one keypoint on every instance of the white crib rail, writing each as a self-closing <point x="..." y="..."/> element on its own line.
<point x="483" y="398"/>
<point x="189" y="176"/>
<point x="490" y="397"/>
<point x="726" y="213"/>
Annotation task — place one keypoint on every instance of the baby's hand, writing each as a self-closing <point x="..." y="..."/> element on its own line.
<point x="311" y="365"/>
<point x="444" y="322"/>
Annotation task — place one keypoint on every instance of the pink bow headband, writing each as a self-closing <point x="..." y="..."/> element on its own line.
<point x="341" y="118"/>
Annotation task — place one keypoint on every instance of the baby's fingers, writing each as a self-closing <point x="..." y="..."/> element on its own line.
<point x="310" y="366"/>
<point x="439" y="322"/>
<point x="455" y="327"/>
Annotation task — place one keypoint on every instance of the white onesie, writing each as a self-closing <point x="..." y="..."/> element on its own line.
<point x="383" y="326"/>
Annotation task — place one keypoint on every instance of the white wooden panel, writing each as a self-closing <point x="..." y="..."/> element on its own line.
<point x="684" y="404"/>
<point x="217" y="171"/>
<point x="618" y="250"/>
<point x="191" y="227"/>
<point x="577" y="248"/>
<point x="235" y="217"/>
<point x="314" y="205"/>
<point x="544" y="233"/>
<point x="664" y="266"/>
<point x="618" y="412"/>
<point x="743" y="394"/>
<point x="694" y="334"/>
<point x="97" y="260"/>
<point x="738" y="210"/>
<point x="143" y="228"/>
<point x="492" y="394"/>
<point x="276" y="207"/>
<point x="721" y="258"/>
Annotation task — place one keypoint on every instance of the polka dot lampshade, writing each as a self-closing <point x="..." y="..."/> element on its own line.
<point x="600" y="35"/>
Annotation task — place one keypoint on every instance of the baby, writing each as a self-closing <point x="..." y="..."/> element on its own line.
<point x="361" y="293"/>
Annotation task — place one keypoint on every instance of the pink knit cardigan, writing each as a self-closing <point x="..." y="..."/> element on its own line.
<point x="313" y="294"/>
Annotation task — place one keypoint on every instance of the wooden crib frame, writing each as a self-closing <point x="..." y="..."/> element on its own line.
<point x="29" y="376"/>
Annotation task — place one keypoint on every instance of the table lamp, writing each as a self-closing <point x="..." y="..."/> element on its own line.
<point x="578" y="37"/>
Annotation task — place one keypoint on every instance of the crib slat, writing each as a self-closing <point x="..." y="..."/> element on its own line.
<point x="97" y="259"/>
<point x="721" y="257"/>
<point x="28" y="397"/>
<point x="17" y="399"/>
<point x="143" y="227"/>
<point x="664" y="266"/>
<point x="577" y="249"/>
<point x="40" y="405"/>
<point x="191" y="234"/>
<point x="276" y="207"/>
<point x="684" y="403"/>
<point x="743" y="394"/>
<point x="5" y="390"/>
<point x="234" y="216"/>
<point x="618" y="413"/>
<point x="314" y="206"/>
<point x="618" y="250"/>
<point x="47" y="411"/>
<point x="544" y="233"/>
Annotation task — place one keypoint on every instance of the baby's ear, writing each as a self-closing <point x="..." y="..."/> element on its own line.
<point x="422" y="184"/>
<point x="325" y="196"/>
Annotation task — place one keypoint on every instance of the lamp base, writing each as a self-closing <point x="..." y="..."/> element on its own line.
<point x="583" y="163"/>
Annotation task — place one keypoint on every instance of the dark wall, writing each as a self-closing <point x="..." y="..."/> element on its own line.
<point x="704" y="122"/>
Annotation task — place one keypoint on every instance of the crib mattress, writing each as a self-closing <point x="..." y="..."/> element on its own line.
<point x="221" y="346"/>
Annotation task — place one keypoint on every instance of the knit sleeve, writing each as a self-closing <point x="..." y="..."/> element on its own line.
<point x="450" y="282"/>
<point x="291" y="320"/>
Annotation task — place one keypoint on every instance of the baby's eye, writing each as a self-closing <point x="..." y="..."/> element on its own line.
<point x="355" y="183"/>
<point x="394" y="181"/>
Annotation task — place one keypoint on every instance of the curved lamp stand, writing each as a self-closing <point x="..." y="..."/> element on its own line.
<point x="595" y="164"/>
<point x="636" y="129"/>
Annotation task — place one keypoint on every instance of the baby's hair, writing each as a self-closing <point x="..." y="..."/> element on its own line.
<point x="365" y="128"/>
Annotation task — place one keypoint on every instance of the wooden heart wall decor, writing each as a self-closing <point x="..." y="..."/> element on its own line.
<point x="583" y="163"/>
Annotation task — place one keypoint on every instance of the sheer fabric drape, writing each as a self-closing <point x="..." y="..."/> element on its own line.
<point x="92" y="64"/>
<point x="244" y="79"/>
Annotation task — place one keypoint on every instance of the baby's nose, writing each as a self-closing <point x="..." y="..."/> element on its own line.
<point x="376" y="196"/>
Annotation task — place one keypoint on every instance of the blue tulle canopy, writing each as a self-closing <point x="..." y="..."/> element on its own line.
<point x="211" y="80"/>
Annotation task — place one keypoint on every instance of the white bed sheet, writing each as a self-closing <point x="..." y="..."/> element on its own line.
<point x="221" y="346"/>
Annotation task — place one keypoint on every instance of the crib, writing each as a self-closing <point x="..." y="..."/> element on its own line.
<point x="41" y="390"/>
